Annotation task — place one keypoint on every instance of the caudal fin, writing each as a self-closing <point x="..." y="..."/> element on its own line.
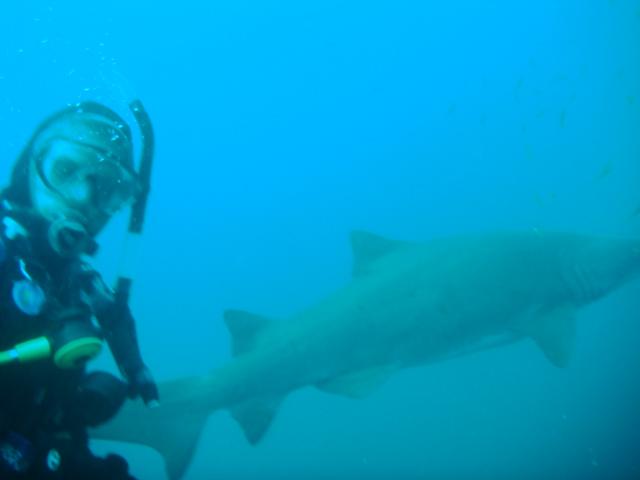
<point x="174" y="427"/>
<point x="172" y="430"/>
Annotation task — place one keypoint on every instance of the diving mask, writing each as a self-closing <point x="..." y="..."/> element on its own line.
<point x="80" y="166"/>
<point x="85" y="178"/>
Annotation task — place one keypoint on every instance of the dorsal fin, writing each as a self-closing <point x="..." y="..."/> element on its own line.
<point x="367" y="248"/>
<point x="244" y="327"/>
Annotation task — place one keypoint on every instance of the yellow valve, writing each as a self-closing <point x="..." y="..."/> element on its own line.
<point x="29" y="351"/>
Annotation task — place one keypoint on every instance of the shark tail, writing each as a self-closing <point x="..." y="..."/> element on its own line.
<point x="175" y="426"/>
<point x="170" y="429"/>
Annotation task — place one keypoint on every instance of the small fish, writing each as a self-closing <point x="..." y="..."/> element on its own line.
<point x="538" y="200"/>
<point x="543" y="200"/>
<point x="631" y="99"/>
<point x="606" y="171"/>
<point x="519" y="83"/>
<point x="560" y="77"/>
<point x="528" y="152"/>
<point x="518" y="87"/>
<point x="563" y="118"/>
<point x="584" y="70"/>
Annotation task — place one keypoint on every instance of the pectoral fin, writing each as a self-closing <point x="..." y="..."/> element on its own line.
<point x="554" y="332"/>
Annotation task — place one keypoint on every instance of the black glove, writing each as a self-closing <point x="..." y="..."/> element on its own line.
<point x="142" y="384"/>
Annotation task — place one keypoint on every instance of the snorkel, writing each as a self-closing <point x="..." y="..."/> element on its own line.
<point x="139" y="207"/>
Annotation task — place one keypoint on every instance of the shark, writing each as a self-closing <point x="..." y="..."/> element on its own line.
<point x="407" y="305"/>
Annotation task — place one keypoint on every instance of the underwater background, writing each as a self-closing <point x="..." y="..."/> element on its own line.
<point x="281" y="126"/>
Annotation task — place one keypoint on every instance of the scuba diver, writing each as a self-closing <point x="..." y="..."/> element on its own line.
<point x="75" y="172"/>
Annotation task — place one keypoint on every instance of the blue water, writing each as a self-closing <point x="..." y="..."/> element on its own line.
<point x="283" y="125"/>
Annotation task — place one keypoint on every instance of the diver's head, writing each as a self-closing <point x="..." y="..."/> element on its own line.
<point x="77" y="171"/>
<point x="81" y="167"/>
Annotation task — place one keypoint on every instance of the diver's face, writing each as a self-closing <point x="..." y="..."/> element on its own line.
<point x="78" y="182"/>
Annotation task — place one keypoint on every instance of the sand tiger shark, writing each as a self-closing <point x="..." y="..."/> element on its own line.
<point x="408" y="304"/>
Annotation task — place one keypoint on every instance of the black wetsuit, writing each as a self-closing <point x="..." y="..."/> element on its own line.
<point x="43" y="423"/>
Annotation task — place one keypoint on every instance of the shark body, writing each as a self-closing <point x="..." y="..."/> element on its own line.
<point x="407" y="305"/>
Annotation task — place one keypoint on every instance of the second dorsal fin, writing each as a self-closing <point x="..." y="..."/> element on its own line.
<point x="244" y="327"/>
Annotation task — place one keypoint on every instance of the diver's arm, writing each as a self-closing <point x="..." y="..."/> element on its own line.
<point x="119" y="329"/>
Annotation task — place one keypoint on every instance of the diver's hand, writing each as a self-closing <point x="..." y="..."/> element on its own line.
<point x="142" y="384"/>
